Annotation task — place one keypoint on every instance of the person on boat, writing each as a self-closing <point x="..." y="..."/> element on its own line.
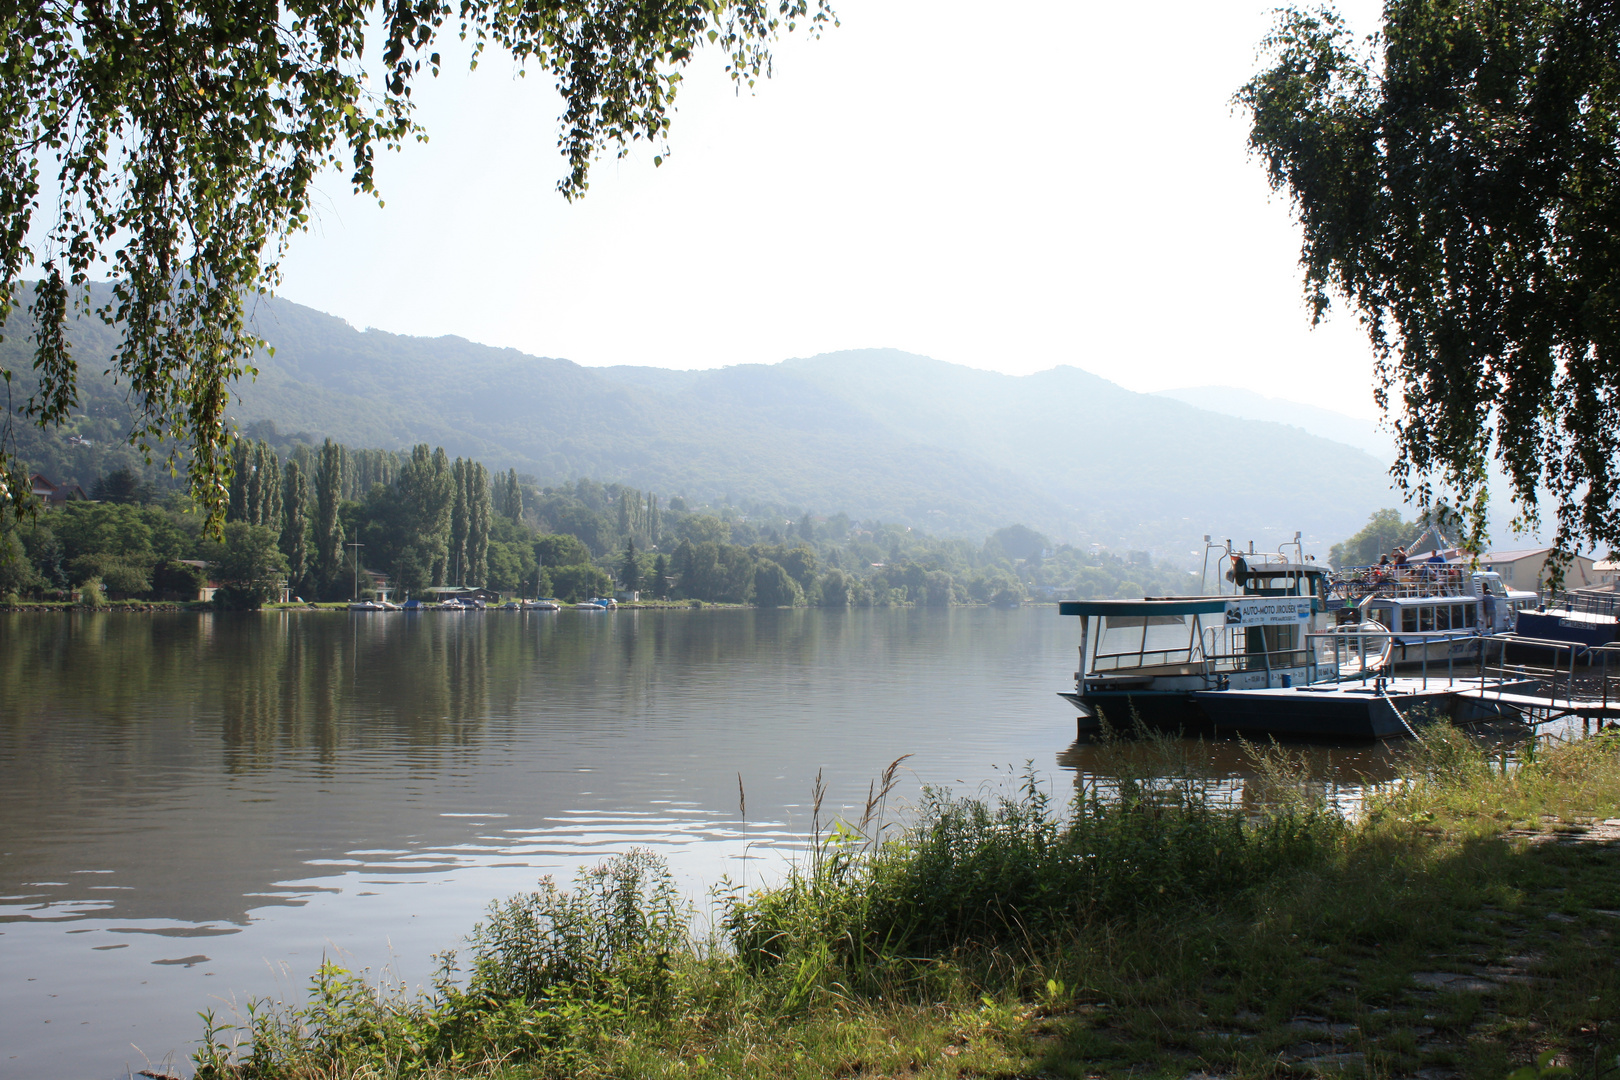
<point x="1383" y="560"/>
<point x="1400" y="556"/>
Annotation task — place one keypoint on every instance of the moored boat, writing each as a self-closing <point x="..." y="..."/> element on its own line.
<point x="1437" y="612"/>
<point x="1142" y="661"/>
<point x="1273" y="658"/>
<point x="1583" y="617"/>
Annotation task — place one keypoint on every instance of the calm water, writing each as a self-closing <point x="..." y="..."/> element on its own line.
<point x="195" y="809"/>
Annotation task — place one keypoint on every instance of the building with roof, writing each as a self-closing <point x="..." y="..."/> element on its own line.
<point x="1526" y="568"/>
<point x="1607" y="571"/>
<point x="53" y="494"/>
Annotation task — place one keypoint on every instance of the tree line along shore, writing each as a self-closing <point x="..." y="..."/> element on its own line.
<point x="321" y="522"/>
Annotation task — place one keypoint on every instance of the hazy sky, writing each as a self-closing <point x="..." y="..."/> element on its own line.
<point x="1006" y="187"/>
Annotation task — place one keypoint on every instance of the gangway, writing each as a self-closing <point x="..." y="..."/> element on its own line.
<point x="1554" y="690"/>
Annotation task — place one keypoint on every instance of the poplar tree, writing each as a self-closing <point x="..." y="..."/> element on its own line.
<point x="438" y="528"/>
<point x="629" y="571"/>
<point x="480" y="517"/>
<point x="512" y="498"/>
<point x="269" y="474"/>
<point x="459" y="520"/>
<point x="295" y="523"/>
<point x="236" y="500"/>
<point x="328" y="525"/>
<point x="424" y="498"/>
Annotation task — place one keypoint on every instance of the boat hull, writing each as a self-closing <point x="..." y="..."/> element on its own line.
<point x="1336" y="712"/>
<point x="1345" y="711"/>
<point x="1574" y="627"/>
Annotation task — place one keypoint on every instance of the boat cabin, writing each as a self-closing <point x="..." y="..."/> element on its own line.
<point x="1435" y="599"/>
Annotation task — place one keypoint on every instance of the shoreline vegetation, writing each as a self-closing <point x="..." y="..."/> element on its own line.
<point x="1461" y="923"/>
<point x="301" y="514"/>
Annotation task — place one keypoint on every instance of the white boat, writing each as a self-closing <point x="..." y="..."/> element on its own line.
<point x="541" y="605"/>
<point x="1437" y="612"/>
<point x="1143" y="660"/>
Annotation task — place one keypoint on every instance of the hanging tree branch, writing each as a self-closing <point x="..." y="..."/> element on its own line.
<point x="172" y="144"/>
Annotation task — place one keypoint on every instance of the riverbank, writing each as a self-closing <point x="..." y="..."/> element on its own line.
<point x="1463" y="925"/>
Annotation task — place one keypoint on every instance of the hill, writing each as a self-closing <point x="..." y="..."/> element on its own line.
<point x="875" y="433"/>
<point x="1328" y="423"/>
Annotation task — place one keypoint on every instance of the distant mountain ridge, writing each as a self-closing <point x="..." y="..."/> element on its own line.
<point x="1328" y="423"/>
<point x="877" y="433"/>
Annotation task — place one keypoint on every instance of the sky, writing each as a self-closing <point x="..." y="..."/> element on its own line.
<point x="1004" y="187"/>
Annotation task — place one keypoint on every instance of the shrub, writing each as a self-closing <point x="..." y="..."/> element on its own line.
<point x="92" y="595"/>
<point x="615" y="934"/>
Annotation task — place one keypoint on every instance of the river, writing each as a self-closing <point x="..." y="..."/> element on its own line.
<point x="195" y="809"/>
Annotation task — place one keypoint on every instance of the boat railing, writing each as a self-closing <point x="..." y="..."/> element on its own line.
<point x="1409" y="581"/>
<point x="1343" y="653"/>
<point x="1205" y="658"/>
<point x="1583" y="602"/>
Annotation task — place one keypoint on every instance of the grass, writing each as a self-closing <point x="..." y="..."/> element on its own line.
<point x="1458" y="927"/>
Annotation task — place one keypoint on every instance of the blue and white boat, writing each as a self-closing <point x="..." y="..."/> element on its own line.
<point x="1437" y="612"/>
<point x="1144" y="660"/>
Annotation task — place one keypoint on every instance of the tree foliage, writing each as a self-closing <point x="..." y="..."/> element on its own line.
<point x="173" y="146"/>
<point x="1383" y="533"/>
<point x="1458" y="181"/>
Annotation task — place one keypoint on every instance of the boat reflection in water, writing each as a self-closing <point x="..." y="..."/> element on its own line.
<point x="1226" y="768"/>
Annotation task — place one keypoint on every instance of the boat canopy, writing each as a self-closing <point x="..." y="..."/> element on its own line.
<point x="1203" y="605"/>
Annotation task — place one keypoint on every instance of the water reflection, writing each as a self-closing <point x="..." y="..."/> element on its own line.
<point x="187" y="798"/>
<point x="1228" y="769"/>
<point x="197" y="808"/>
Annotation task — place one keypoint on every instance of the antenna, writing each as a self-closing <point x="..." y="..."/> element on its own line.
<point x="357" y="547"/>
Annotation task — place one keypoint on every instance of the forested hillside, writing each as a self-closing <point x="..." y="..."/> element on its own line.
<point x="877" y="434"/>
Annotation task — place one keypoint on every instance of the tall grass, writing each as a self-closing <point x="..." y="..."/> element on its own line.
<point x="985" y="904"/>
<point x="1013" y="872"/>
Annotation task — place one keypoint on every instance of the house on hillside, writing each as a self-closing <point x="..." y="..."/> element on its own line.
<point x="54" y="494"/>
<point x="1527" y="568"/>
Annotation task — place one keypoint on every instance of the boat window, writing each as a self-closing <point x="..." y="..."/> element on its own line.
<point x="1409" y="620"/>
<point x="1442" y="616"/>
<point x="1121" y="634"/>
<point x="1425" y="618"/>
<point x="1468" y="614"/>
<point x="1127" y="641"/>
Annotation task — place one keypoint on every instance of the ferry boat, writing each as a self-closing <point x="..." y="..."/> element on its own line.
<point x="1436" y="611"/>
<point x="1144" y="660"/>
